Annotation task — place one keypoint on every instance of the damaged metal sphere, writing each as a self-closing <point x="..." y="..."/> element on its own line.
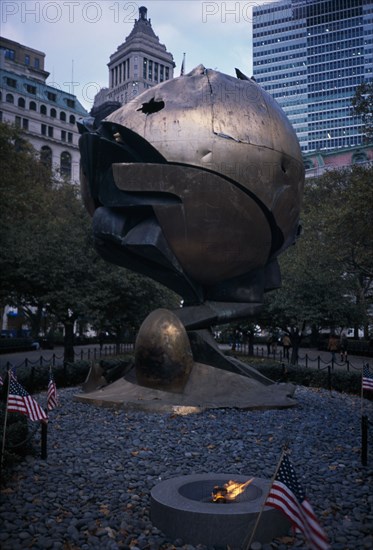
<point x="197" y="183"/>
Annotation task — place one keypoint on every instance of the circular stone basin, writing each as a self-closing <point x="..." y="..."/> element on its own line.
<point x="181" y="508"/>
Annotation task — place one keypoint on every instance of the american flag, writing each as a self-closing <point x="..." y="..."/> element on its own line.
<point x="287" y="496"/>
<point x="20" y="401"/>
<point x="52" y="400"/>
<point x="367" y="378"/>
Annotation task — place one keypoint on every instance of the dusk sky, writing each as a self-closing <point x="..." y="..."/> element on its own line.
<point x="78" y="37"/>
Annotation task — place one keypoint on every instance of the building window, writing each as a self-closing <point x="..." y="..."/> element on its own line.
<point x="10" y="54"/>
<point x="51" y="96"/>
<point x="145" y="68"/>
<point x="65" y="165"/>
<point x="63" y="116"/>
<point x="43" y="129"/>
<point x="32" y="106"/>
<point x="150" y="70"/>
<point x="359" y="157"/>
<point x="21" y="103"/>
<point x="9" y="98"/>
<point x="50" y="131"/>
<point x="63" y="135"/>
<point x="53" y="113"/>
<point x="69" y="137"/>
<point x="70" y="103"/>
<point x="17" y="121"/>
<point x="72" y="119"/>
<point x="43" y="110"/>
<point x="25" y="123"/>
<point x="46" y="156"/>
<point x="11" y="82"/>
<point x="31" y="89"/>
<point x="37" y="63"/>
<point x="27" y="60"/>
<point x="1" y="116"/>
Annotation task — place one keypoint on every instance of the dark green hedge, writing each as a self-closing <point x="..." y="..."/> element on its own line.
<point x="342" y="381"/>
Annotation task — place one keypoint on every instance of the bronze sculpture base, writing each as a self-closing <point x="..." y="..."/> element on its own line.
<point x="168" y="378"/>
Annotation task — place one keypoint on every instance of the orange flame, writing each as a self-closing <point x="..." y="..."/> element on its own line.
<point x="229" y="491"/>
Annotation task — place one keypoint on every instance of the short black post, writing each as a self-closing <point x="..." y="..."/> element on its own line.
<point x="32" y="378"/>
<point x="364" y="440"/>
<point x="329" y="378"/>
<point x="44" y="439"/>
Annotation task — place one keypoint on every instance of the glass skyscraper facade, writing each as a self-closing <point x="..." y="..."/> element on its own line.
<point x="310" y="55"/>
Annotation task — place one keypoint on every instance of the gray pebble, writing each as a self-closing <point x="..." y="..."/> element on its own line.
<point x="93" y="491"/>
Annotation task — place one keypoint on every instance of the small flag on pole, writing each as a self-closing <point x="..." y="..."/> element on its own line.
<point x="367" y="378"/>
<point x="52" y="400"/>
<point x="21" y="401"/>
<point x="287" y="496"/>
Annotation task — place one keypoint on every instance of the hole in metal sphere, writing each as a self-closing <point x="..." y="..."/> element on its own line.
<point x="151" y="106"/>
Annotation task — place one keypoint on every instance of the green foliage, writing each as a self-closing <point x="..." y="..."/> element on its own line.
<point x="362" y="104"/>
<point x="123" y="299"/>
<point x="341" y="381"/>
<point x="327" y="276"/>
<point x="48" y="260"/>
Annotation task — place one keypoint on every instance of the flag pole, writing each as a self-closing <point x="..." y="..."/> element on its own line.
<point x="5" y="423"/>
<point x="364" y="427"/>
<point x="362" y="392"/>
<point x="247" y="546"/>
<point x="182" y="70"/>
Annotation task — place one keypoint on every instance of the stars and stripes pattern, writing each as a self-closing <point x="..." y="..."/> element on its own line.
<point x="21" y="401"/>
<point x="52" y="399"/>
<point x="287" y="495"/>
<point x="367" y="378"/>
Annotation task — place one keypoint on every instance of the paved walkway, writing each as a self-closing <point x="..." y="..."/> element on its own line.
<point x="309" y="357"/>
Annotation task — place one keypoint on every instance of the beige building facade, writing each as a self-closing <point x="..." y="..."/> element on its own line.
<point x="47" y="114"/>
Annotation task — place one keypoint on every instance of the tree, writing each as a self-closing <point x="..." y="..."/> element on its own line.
<point x="327" y="276"/>
<point x="123" y="299"/>
<point x="362" y="104"/>
<point x="48" y="262"/>
<point x="24" y="184"/>
<point x="349" y="230"/>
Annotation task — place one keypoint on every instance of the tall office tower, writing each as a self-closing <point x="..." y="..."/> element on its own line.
<point x="139" y="63"/>
<point x="310" y="55"/>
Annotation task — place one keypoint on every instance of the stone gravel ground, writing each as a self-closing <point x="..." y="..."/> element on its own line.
<point x="93" y="491"/>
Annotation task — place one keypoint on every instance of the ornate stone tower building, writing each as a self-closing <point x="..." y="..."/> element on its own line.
<point x="139" y="63"/>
